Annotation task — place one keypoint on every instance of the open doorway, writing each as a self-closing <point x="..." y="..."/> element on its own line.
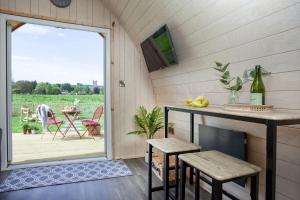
<point x="56" y="92"/>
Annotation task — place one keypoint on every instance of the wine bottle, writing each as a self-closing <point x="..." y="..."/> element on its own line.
<point x="257" y="91"/>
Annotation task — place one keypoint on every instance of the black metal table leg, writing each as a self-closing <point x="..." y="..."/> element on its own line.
<point x="182" y="179"/>
<point x="197" y="185"/>
<point x="166" y="176"/>
<point x="271" y="160"/>
<point x="254" y="187"/>
<point x="176" y="177"/>
<point x="149" y="171"/>
<point x="216" y="190"/>
<point x="166" y="112"/>
<point x="191" y="127"/>
<point x="192" y="141"/>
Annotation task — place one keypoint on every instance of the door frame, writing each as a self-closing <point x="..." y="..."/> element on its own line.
<point x="5" y="103"/>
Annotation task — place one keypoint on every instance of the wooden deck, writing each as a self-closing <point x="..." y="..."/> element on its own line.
<point x="33" y="148"/>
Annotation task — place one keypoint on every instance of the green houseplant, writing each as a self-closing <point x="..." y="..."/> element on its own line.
<point x="35" y="129"/>
<point x="148" y="123"/>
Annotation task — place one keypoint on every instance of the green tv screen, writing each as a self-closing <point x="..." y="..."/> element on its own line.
<point x="159" y="50"/>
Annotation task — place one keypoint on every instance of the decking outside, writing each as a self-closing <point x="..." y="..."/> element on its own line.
<point x="32" y="148"/>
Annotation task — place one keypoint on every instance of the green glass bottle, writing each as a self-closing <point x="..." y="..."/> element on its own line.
<point x="257" y="91"/>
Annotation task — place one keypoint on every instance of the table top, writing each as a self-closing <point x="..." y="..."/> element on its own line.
<point x="219" y="166"/>
<point x="173" y="145"/>
<point x="70" y="111"/>
<point x="211" y="110"/>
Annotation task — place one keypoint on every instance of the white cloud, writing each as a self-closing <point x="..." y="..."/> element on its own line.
<point x="35" y="29"/>
<point x="28" y="70"/>
<point x="22" y="58"/>
<point x="61" y="35"/>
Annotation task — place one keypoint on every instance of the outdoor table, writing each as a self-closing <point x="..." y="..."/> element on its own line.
<point x="270" y="119"/>
<point x="71" y="115"/>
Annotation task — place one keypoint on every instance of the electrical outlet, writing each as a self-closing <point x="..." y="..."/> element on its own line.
<point x="122" y="83"/>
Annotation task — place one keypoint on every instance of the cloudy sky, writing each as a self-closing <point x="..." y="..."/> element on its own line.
<point x="56" y="55"/>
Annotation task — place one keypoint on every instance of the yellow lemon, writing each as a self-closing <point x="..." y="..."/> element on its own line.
<point x="205" y="102"/>
<point x="199" y="99"/>
<point x="188" y="102"/>
<point x="197" y="104"/>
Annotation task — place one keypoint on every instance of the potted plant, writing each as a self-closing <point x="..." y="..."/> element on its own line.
<point x="29" y="129"/>
<point x="25" y="128"/>
<point x="35" y="129"/>
<point x="148" y="123"/>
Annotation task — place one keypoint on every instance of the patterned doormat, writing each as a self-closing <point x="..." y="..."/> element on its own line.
<point x="61" y="174"/>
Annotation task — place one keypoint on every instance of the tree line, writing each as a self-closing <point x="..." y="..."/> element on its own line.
<point x="32" y="87"/>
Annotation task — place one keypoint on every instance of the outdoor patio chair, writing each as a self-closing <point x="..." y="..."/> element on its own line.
<point x="53" y="121"/>
<point x="27" y="115"/>
<point x="91" y="125"/>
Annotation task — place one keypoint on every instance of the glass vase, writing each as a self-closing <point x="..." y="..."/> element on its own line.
<point x="233" y="97"/>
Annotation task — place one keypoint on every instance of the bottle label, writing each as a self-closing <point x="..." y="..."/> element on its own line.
<point x="256" y="98"/>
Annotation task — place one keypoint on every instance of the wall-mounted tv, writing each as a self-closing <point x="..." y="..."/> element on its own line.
<point x="159" y="50"/>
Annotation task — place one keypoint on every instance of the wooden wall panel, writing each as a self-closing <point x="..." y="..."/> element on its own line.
<point x="126" y="63"/>
<point x="44" y="8"/>
<point x="244" y="33"/>
<point x="23" y="6"/>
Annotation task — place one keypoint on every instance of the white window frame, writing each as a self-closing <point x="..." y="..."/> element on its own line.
<point x="5" y="103"/>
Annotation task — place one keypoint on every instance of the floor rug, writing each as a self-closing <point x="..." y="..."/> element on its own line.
<point x="61" y="174"/>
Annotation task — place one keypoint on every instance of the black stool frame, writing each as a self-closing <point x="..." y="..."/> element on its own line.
<point x="217" y="190"/>
<point x="166" y="185"/>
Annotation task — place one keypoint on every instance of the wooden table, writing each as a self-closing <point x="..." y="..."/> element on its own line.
<point x="74" y="113"/>
<point x="270" y="119"/>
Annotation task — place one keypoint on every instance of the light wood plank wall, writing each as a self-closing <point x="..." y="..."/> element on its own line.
<point x="243" y="32"/>
<point x="128" y="64"/>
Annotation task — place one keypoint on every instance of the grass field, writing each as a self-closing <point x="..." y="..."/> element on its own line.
<point x="87" y="105"/>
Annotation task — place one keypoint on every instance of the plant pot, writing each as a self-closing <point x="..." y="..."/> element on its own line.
<point x="29" y="131"/>
<point x="24" y="131"/>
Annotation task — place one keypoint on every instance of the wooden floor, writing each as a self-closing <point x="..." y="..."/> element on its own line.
<point x="35" y="148"/>
<point x="123" y="188"/>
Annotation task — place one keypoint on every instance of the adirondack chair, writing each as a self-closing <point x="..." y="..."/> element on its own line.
<point x="27" y="115"/>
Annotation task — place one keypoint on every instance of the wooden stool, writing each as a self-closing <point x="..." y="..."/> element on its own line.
<point x="221" y="168"/>
<point x="168" y="146"/>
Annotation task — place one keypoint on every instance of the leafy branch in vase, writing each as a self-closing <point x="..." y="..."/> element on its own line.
<point x="236" y="83"/>
<point x="229" y="82"/>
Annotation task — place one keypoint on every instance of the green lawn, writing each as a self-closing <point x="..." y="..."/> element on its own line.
<point x="87" y="105"/>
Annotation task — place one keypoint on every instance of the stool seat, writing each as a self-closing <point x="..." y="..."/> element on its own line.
<point x="170" y="149"/>
<point x="173" y="145"/>
<point x="219" y="166"/>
